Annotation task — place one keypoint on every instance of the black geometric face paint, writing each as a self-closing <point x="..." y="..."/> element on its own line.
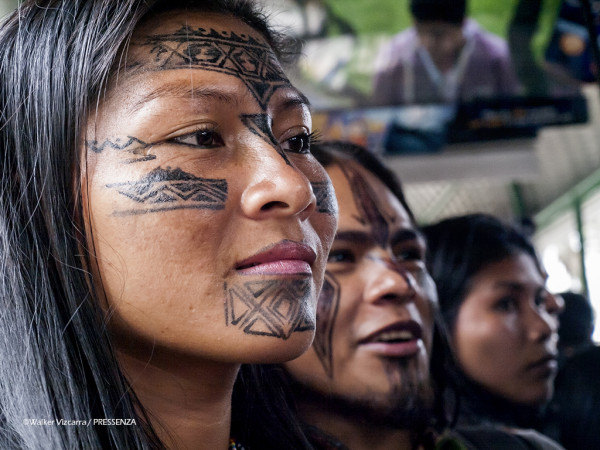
<point x="260" y="125"/>
<point x="132" y="145"/>
<point x="242" y="56"/>
<point x="325" y="195"/>
<point x="169" y="189"/>
<point x="370" y="212"/>
<point x="327" y="308"/>
<point x="272" y="308"/>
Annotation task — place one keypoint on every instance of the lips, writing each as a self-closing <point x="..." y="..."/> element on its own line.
<point x="545" y="366"/>
<point x="283" y="258"/>
<point x="400" y="339"/>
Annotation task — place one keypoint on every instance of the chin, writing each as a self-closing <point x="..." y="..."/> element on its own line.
<point x="270" y="350"/>
<point x="539" y="397"/>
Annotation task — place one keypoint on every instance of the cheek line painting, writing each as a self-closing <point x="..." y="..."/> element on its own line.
<point x="272" y="308"/>
<point x="132" y="145"/>
<point x="260" y="125"/>
<point x="325" y="195"/>
<point x="169" y="189"/>
<point x="327" y="310"/>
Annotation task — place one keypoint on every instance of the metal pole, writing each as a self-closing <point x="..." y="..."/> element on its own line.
<point x="579" y="219"/>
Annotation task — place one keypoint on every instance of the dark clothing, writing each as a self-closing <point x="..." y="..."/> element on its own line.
<point x="573" y="416"/>
<point x="462" y="438"/>
<point x="496" y="438"/>
<point x="478" y="406"/>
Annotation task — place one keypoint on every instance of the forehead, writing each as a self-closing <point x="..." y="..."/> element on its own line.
<point x="181" y="31"/>
<point x="517" y="268"/>
<point x="437" y="27"/>
<point x="218" y="43"/>
<point x="199" y="58"/>
<point x="345" y="177"/>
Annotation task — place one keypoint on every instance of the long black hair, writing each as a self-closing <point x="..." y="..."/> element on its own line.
<point x="458" y="248"/>
<point x="56" y="359"/>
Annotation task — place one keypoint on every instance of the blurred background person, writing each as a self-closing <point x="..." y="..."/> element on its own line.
<point x="502" y="320"/>
<point x="573" y="416"/>
<point x="443" y="58"/>
<point x="576" y="325"/>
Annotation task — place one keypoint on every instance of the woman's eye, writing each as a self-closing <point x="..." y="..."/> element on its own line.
<point x="341" y="256"/>
<point x="408" y="254"/>
<point x="201" y="139"/>
<point x="297" y="144"/>
<point x="506" y="304"/>
<point x="542" y="299"/>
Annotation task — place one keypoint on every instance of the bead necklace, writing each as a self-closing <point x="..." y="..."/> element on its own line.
<point x="234" y="445"/>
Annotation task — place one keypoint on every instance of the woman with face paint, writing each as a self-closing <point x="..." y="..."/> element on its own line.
<point x="162" y="223"/>
<point x="501" y="319"/>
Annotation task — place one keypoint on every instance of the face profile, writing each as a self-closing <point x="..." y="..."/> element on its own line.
<point x="375" y="313"/>
<point x="168" y="225"/>
<point x="505" y="336"/>
<point x="202" y="196"/>
<point x="500" y="319"/>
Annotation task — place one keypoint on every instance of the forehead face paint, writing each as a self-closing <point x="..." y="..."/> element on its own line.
<point x="242" y="56"/>
<point x="369" y="208"/>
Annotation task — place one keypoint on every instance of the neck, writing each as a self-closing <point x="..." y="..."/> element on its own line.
<point x="478" y="405"/>
<point x="353" y="431"/>
<point x="188" y="402"/>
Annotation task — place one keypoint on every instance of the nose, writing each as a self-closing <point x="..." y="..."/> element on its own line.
<point x="386" y="282"/>
<point x="541" y="325"/>
<point x="276" y="188"/>
<point x="555" y="304"/>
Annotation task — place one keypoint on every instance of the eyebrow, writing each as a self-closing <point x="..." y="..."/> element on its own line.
<point x="399" y="236"/>
<point x="179" y="90"/>
<point x="517" y="286"/>
<point x="353" y="236"/>
<point x="298" y="99"/>
<point x="404" y="235"/>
